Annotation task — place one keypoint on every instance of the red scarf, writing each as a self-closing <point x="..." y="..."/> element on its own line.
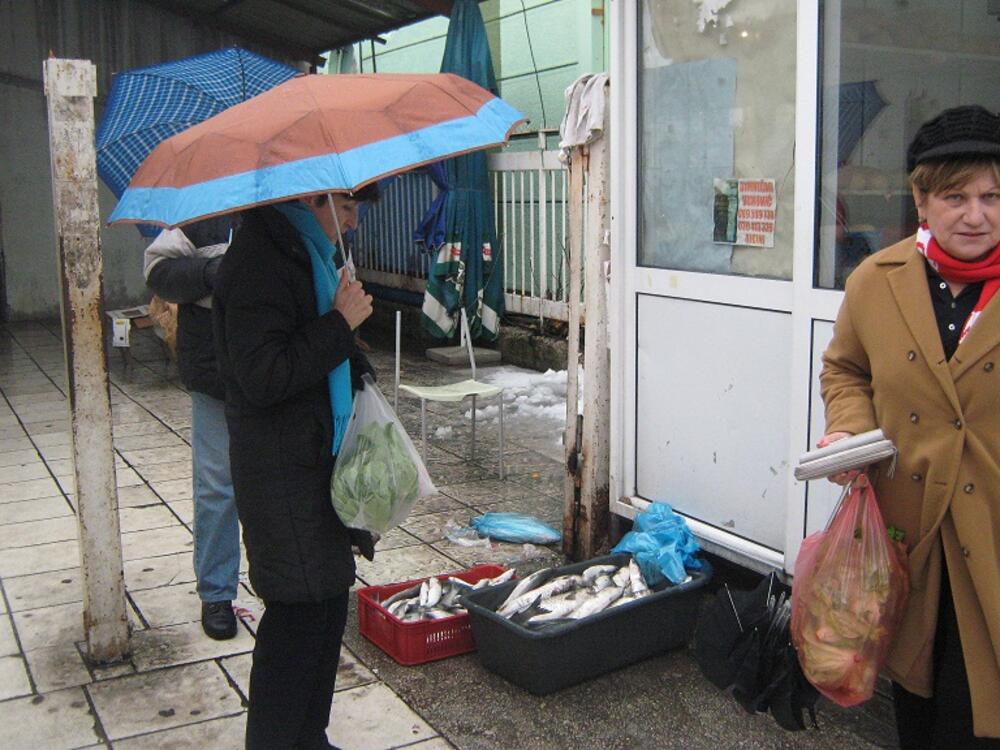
<point x="951" y="269"/>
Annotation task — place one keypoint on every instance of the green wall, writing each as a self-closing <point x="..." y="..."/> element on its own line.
<point x="567" y="39"/>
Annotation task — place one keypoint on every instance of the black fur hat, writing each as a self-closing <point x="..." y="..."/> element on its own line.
<point x="970" y="130"/>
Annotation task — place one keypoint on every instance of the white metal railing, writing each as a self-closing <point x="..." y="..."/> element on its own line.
<point x="529" y="208"/>
<point x="384" y="249"/>
<point x="529" y="203"/>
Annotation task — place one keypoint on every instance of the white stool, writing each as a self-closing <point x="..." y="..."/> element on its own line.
<point x="452" y="393"/>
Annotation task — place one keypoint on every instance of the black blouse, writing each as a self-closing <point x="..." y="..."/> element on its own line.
<point x="951" y="312"/>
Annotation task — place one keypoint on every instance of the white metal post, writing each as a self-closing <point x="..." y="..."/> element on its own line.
<point x="543" y="238"/>
<point x="423" y="426"/>
<point x="621" y="302"/>
<point x="577" y="165"/>
<point x="592" y="525"/>
<point x="70" y="87"/>
<point x="467" y="341"/>
<point x="395" y="393"/>
<point x="472" y="454"/>
<point x="501" y="472"/>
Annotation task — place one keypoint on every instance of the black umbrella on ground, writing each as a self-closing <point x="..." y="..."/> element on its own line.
<point x="742" y="640"/>
<point x="725" y="633"/>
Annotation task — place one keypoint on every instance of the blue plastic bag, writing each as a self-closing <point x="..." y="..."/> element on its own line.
<point x="662" y="545"/>
<point x="514" y="527"/>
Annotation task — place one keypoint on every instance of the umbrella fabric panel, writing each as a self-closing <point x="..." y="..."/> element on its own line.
<point x="148" y="105"/>
<point x="118" y="162"/>
<point x="860" y="103"/>
<point x="170" y="206"/>
<point x="316" y="115"/>
<point x="431" y="230"/>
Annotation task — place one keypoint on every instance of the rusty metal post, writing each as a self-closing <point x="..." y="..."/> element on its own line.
<point x="595" y="440"/>
<point x="574" y="258"/>
<point x="70" y="87"/>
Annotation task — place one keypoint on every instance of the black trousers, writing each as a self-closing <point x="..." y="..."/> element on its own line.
<point x="293" y="675"/>
<point x="943" y="722"/>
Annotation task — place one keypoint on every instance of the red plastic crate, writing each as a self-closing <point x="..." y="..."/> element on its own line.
<point x="412" y="643"/>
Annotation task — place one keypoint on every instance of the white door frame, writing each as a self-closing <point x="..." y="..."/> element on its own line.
<point x="798" y="297"/>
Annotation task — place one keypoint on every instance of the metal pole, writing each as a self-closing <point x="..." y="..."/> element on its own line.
<point x="501" y="435"/>
<point x="423" y="425"/>
<point x="473" y="454"/>
<point x="70" y="87"/>
<point x="595" y="474"/>
<point x="467" y="339"/>
<point x="395" y="395"/>
<point x="574" y="254"/>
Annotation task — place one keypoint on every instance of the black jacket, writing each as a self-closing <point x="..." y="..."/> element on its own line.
<point x="274" y="354"/>
<point x="184" y="281"/>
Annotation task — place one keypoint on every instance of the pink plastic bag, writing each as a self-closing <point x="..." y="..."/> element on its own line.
<point x="848" y="596"/>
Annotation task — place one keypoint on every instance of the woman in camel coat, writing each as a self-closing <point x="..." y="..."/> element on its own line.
<point x="916" y="351"/>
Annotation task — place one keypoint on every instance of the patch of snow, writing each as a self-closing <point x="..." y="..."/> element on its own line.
<point x="529" y="394"/>
<point x="442" y="432"/>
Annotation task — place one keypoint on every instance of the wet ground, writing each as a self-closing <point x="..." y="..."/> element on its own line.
<point x="180" y="689"/>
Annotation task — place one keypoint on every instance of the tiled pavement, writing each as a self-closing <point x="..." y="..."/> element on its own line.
<point x="181" y="689"/>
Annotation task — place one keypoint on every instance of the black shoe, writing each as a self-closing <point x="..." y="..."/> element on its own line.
<point x="218" y="620"/>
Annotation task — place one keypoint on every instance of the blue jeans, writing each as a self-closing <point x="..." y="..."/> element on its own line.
<point x="216" y="527"/>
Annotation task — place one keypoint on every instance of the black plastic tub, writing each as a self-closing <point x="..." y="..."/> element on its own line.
<point x="543" y="661"/>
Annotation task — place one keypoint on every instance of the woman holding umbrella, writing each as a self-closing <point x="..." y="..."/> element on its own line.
<point x="914" y="352"/>
<point x="284" y="322"/>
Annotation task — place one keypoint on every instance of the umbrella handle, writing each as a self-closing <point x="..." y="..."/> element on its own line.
<point x="348" y="259"/>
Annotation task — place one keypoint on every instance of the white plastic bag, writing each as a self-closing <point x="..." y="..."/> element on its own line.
<point x="378" y="475"/>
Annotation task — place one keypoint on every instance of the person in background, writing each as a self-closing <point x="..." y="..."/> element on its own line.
<point x="916" y="351"/>
<point x="180" y="267"/>
<point x="285" y="320"/>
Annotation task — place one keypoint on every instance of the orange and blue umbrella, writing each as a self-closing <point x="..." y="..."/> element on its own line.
<point x="312" y="134"/>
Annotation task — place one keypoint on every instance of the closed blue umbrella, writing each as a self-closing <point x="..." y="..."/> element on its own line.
<point x="148" y="105"/>
<point x="467" y="270"/>
<point x="860" y="103"/>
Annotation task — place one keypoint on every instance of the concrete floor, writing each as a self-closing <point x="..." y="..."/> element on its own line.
<point x="182" y="690"/>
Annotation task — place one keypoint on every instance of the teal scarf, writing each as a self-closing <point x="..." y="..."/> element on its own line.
<point x="325" y="280"/>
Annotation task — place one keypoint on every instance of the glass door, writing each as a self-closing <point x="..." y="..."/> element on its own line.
<point x="708" y="231"/>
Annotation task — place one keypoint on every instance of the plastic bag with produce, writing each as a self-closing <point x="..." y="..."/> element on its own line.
<point x="849" y="593"/>
<point x="378" y="475"/>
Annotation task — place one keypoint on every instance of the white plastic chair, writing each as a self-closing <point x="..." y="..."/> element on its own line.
<point x="452" y="393"/>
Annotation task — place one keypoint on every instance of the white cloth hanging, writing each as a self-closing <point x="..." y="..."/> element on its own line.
<point x="583" y="120"/>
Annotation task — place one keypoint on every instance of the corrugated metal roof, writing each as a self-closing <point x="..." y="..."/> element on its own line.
<point x="304" y="29"/>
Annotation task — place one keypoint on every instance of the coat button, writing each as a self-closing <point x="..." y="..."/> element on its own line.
<point x="916" y="477"/>
<point x="969" y="488"/>
<point x="911" y="355"/>
<point x="965" y="551"/>
<point x="914" y="417"/>
<point x="958" y="424"/>
<point x="988" y="367"/>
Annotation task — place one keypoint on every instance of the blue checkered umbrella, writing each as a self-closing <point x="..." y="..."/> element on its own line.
<point x="148" y="105"/>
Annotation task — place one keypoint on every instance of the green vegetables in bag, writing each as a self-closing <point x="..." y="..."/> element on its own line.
<point x="375" y="480"/>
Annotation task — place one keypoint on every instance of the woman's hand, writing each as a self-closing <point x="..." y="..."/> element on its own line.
<point x="352" y="302"/>
<point x="844" y="477"/>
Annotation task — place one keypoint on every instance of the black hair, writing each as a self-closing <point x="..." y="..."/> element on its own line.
<point x="369" y="193"/>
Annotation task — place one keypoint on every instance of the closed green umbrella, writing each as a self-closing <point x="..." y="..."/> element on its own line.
<point x="467" y="270"/>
